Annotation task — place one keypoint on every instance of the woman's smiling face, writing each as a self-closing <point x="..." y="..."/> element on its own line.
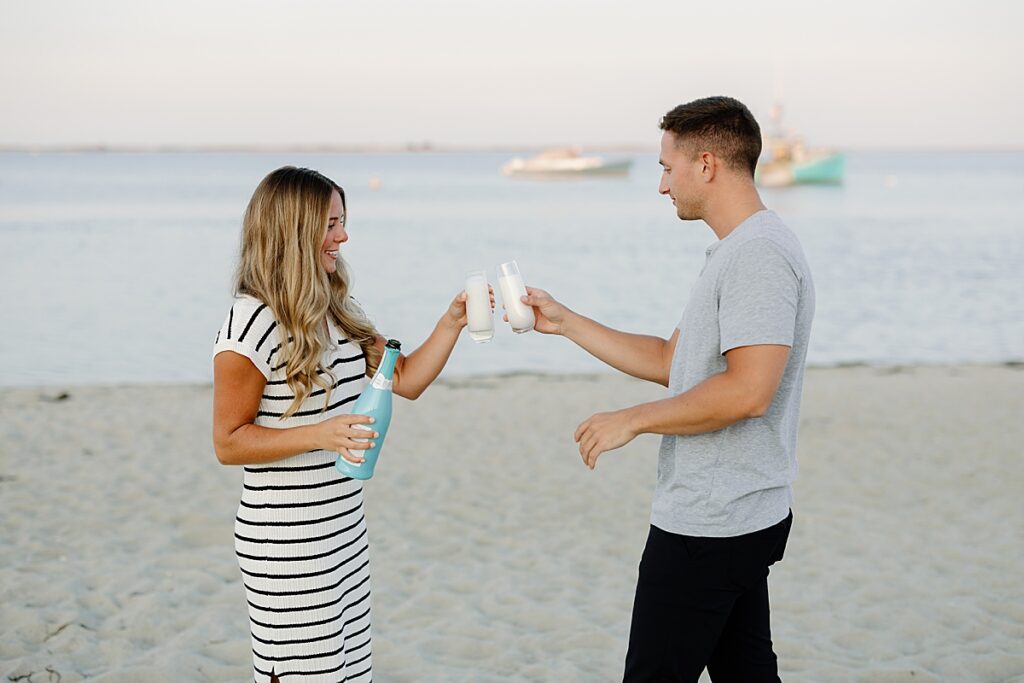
<point x="335" y="234"/>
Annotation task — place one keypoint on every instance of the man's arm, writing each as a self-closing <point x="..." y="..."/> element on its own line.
<point x="642" y="356"/>
<point x="744" y="390"/>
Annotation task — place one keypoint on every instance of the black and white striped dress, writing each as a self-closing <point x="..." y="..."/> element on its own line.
<point x="300" y="534"/>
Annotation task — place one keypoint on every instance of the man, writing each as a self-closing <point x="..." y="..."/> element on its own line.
<point x="734" y="368"/>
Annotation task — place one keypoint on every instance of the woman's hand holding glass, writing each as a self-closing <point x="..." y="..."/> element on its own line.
<point x="456" y="313"/>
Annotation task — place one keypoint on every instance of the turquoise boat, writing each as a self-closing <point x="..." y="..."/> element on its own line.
<point x="826" y="170"/>
<point x="789" y="162"/>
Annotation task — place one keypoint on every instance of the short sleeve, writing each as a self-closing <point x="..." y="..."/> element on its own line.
<point x="249" y="330"/>
<point x="759" y="294"/>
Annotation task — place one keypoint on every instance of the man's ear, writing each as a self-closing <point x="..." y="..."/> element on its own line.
<point x="710" y="166"/>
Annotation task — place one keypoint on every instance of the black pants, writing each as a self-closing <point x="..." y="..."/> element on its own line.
<point x="703" y="602"/>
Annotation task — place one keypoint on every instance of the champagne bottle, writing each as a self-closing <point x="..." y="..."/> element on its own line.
<point x="375" y="401"/>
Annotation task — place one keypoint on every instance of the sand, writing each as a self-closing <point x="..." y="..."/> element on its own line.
<point x="496" y="555"/>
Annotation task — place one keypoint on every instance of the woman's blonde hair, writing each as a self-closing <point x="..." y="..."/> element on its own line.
<point x="280" y="264"/>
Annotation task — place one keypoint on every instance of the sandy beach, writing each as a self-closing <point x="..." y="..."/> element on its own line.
<point x="496" y="555"/>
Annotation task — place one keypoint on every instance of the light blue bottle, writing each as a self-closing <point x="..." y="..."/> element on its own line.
<point x="375" y="401"/>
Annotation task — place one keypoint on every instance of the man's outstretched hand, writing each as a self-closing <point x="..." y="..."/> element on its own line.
<point x="603" y="432"/>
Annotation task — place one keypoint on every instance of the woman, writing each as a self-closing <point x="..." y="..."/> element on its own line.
<point x="293" y="352"/>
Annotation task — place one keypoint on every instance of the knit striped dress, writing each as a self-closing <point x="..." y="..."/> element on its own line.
<point x="300" y="534"/>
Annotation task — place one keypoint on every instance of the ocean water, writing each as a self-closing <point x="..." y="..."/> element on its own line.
<point x="117" y="267"/>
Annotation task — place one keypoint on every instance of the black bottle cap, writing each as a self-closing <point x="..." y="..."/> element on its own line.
<point x="394" y="344"/>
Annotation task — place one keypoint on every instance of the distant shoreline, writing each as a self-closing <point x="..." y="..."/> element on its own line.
<point x="424" y="148"/>
<point x="418" y="148"/>
<point x="53" y="391"/>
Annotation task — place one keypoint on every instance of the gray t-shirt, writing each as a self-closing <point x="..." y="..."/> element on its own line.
<point x="755" y="288"/>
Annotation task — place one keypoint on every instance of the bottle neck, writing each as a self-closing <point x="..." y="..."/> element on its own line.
<point x="386" y="369"/>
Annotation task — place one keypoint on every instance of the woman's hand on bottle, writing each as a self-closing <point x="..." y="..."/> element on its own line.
<point x="340" y="434"/>
<point x="455" y="316"/>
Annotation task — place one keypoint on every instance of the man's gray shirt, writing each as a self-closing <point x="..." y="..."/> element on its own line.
<point x="755" y="288"/>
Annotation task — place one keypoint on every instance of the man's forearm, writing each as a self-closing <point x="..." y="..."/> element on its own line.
<point x="715" y="403"/>
<point x="639" y="355"/>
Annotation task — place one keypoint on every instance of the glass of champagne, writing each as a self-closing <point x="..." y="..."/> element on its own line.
<point x="478" y="307"/>
<point x="520" y="316"/>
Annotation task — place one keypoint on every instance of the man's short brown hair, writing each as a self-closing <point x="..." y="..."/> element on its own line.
<point x="720" y="125"/>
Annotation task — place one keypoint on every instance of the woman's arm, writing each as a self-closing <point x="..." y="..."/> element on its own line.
<point x="237" y="390"/>
<point x="415" y="372"/>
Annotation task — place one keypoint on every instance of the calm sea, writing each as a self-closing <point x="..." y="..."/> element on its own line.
<point x="117" y="267"/>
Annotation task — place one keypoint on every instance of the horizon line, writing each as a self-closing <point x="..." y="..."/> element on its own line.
<point x="427" y="147"/>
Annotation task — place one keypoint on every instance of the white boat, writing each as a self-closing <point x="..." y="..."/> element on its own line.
<point x="564" y="162"/>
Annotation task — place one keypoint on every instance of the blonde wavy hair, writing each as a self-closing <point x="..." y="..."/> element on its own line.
<point x="280" y="264"/>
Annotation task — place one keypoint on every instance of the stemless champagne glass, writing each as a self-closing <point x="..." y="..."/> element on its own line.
<point x="478" y="307"/>
<point x="520" y="316"/>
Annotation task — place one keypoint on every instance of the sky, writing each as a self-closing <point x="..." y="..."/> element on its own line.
<point x="870" y="74"/>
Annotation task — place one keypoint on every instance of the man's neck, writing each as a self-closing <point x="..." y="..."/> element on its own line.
<point x="726" y="212"/>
